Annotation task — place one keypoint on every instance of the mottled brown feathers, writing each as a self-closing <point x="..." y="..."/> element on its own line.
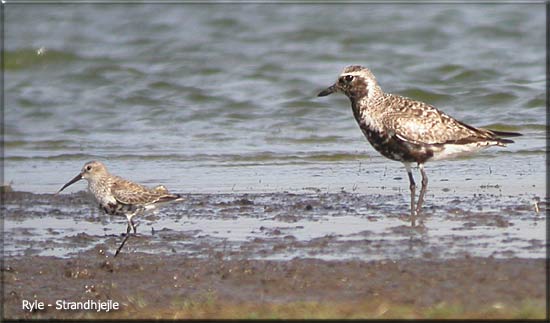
<point x="128" y="192"/>
<point x="404" y="129"/>
<point x="421" y="123"/>
<point x="407" y="130"/>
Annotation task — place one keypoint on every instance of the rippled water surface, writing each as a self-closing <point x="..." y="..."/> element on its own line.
<point x="221" y="98"/>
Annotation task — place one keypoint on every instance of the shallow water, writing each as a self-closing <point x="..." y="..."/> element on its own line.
<point x="221" y="98"/>
<point x="330" y="226"/>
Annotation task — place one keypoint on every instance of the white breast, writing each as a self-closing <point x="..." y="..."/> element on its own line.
<point x="101" y="192"/>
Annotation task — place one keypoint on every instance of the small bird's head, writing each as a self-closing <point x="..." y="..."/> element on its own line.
<point x="355" y="82"/>
<point x="93" y="169"/>
<point x="90" y="171"/>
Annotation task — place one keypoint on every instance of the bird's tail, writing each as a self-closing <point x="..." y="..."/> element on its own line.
<point x="505" y="134"/>
<point x="503" y="142"/>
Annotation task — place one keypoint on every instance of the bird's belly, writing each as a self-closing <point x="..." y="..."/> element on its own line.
<point x="118" y="208"/>
<point x="395" y="149"/>
<point x="450" y="151"/>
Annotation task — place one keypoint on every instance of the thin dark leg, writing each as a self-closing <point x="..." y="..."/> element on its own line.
<point x="412" y="188"/>
<point x="122" y="244"/>
<point x="423" y="189"/>
<point x="129" y="228"/>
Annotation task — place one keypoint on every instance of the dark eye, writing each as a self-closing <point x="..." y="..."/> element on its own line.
<point x="88" y="168"/>
<point x="346" y="79"/>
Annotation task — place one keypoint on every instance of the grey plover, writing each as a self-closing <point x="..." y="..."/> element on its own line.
<point x="117" y="196"/>
<point x="409" y="131"/>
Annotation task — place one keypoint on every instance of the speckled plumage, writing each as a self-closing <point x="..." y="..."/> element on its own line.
<point x="407" y="130"/>
<point x="118" y="196"/>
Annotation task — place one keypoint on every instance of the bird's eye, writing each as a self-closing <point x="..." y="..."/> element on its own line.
<point x="88" y="168"/>
<point x="345" y="79"/>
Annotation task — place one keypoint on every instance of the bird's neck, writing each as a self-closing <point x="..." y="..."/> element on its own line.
<point x="356" y="107"/>
<point x="99" y="183"/>
<point x="362" y="104"/>
<point x="365" y="94"/>
<point x="363" y="108"/>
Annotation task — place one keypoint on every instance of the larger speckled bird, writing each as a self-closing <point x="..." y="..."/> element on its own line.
<point x="409" y="131"/>
<point x="117" y="196"/>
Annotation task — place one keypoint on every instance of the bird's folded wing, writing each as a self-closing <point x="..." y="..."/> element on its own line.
<point x="421" y="123"/>
<point x="127" y="192"/>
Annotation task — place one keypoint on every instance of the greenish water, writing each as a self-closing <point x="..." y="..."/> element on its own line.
<point x="222" y="97"/>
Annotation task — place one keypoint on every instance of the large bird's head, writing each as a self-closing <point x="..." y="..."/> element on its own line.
<point x="355" y="82"/>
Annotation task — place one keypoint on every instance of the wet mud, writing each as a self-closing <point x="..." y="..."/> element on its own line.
<point x="481" y="252"/>
<point x="164" y="283"/>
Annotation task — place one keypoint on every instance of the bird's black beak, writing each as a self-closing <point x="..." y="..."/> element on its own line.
<point x="72" y="181"/>
<point x="329" y="90"/>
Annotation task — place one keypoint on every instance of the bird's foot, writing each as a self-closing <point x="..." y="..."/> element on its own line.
<point x="418" y="218"/>
<point x="415" y="218"/>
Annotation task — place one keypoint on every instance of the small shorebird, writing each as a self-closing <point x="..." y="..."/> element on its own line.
<point x="409" y="131"/>
<point x="117" y="196"/>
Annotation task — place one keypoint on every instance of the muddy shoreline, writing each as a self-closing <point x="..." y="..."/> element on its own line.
<point x="279" y="255"/>
<point x="159" y="286"/>
<point x="282" y="226"/>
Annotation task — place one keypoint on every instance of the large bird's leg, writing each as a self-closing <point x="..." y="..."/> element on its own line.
<point x="423" y="189"/>
<point x="413" y="188"/>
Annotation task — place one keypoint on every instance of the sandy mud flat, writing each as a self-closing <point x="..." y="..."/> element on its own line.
<point x="278" y="255"/>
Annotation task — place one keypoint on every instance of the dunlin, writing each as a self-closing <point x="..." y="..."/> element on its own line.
<point x="409" y="131"/>
<point x="117" y="196"/>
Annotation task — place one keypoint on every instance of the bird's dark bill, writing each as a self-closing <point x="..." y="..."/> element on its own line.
<point x="72" y="181"/>
<point x="327" y="91"/>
